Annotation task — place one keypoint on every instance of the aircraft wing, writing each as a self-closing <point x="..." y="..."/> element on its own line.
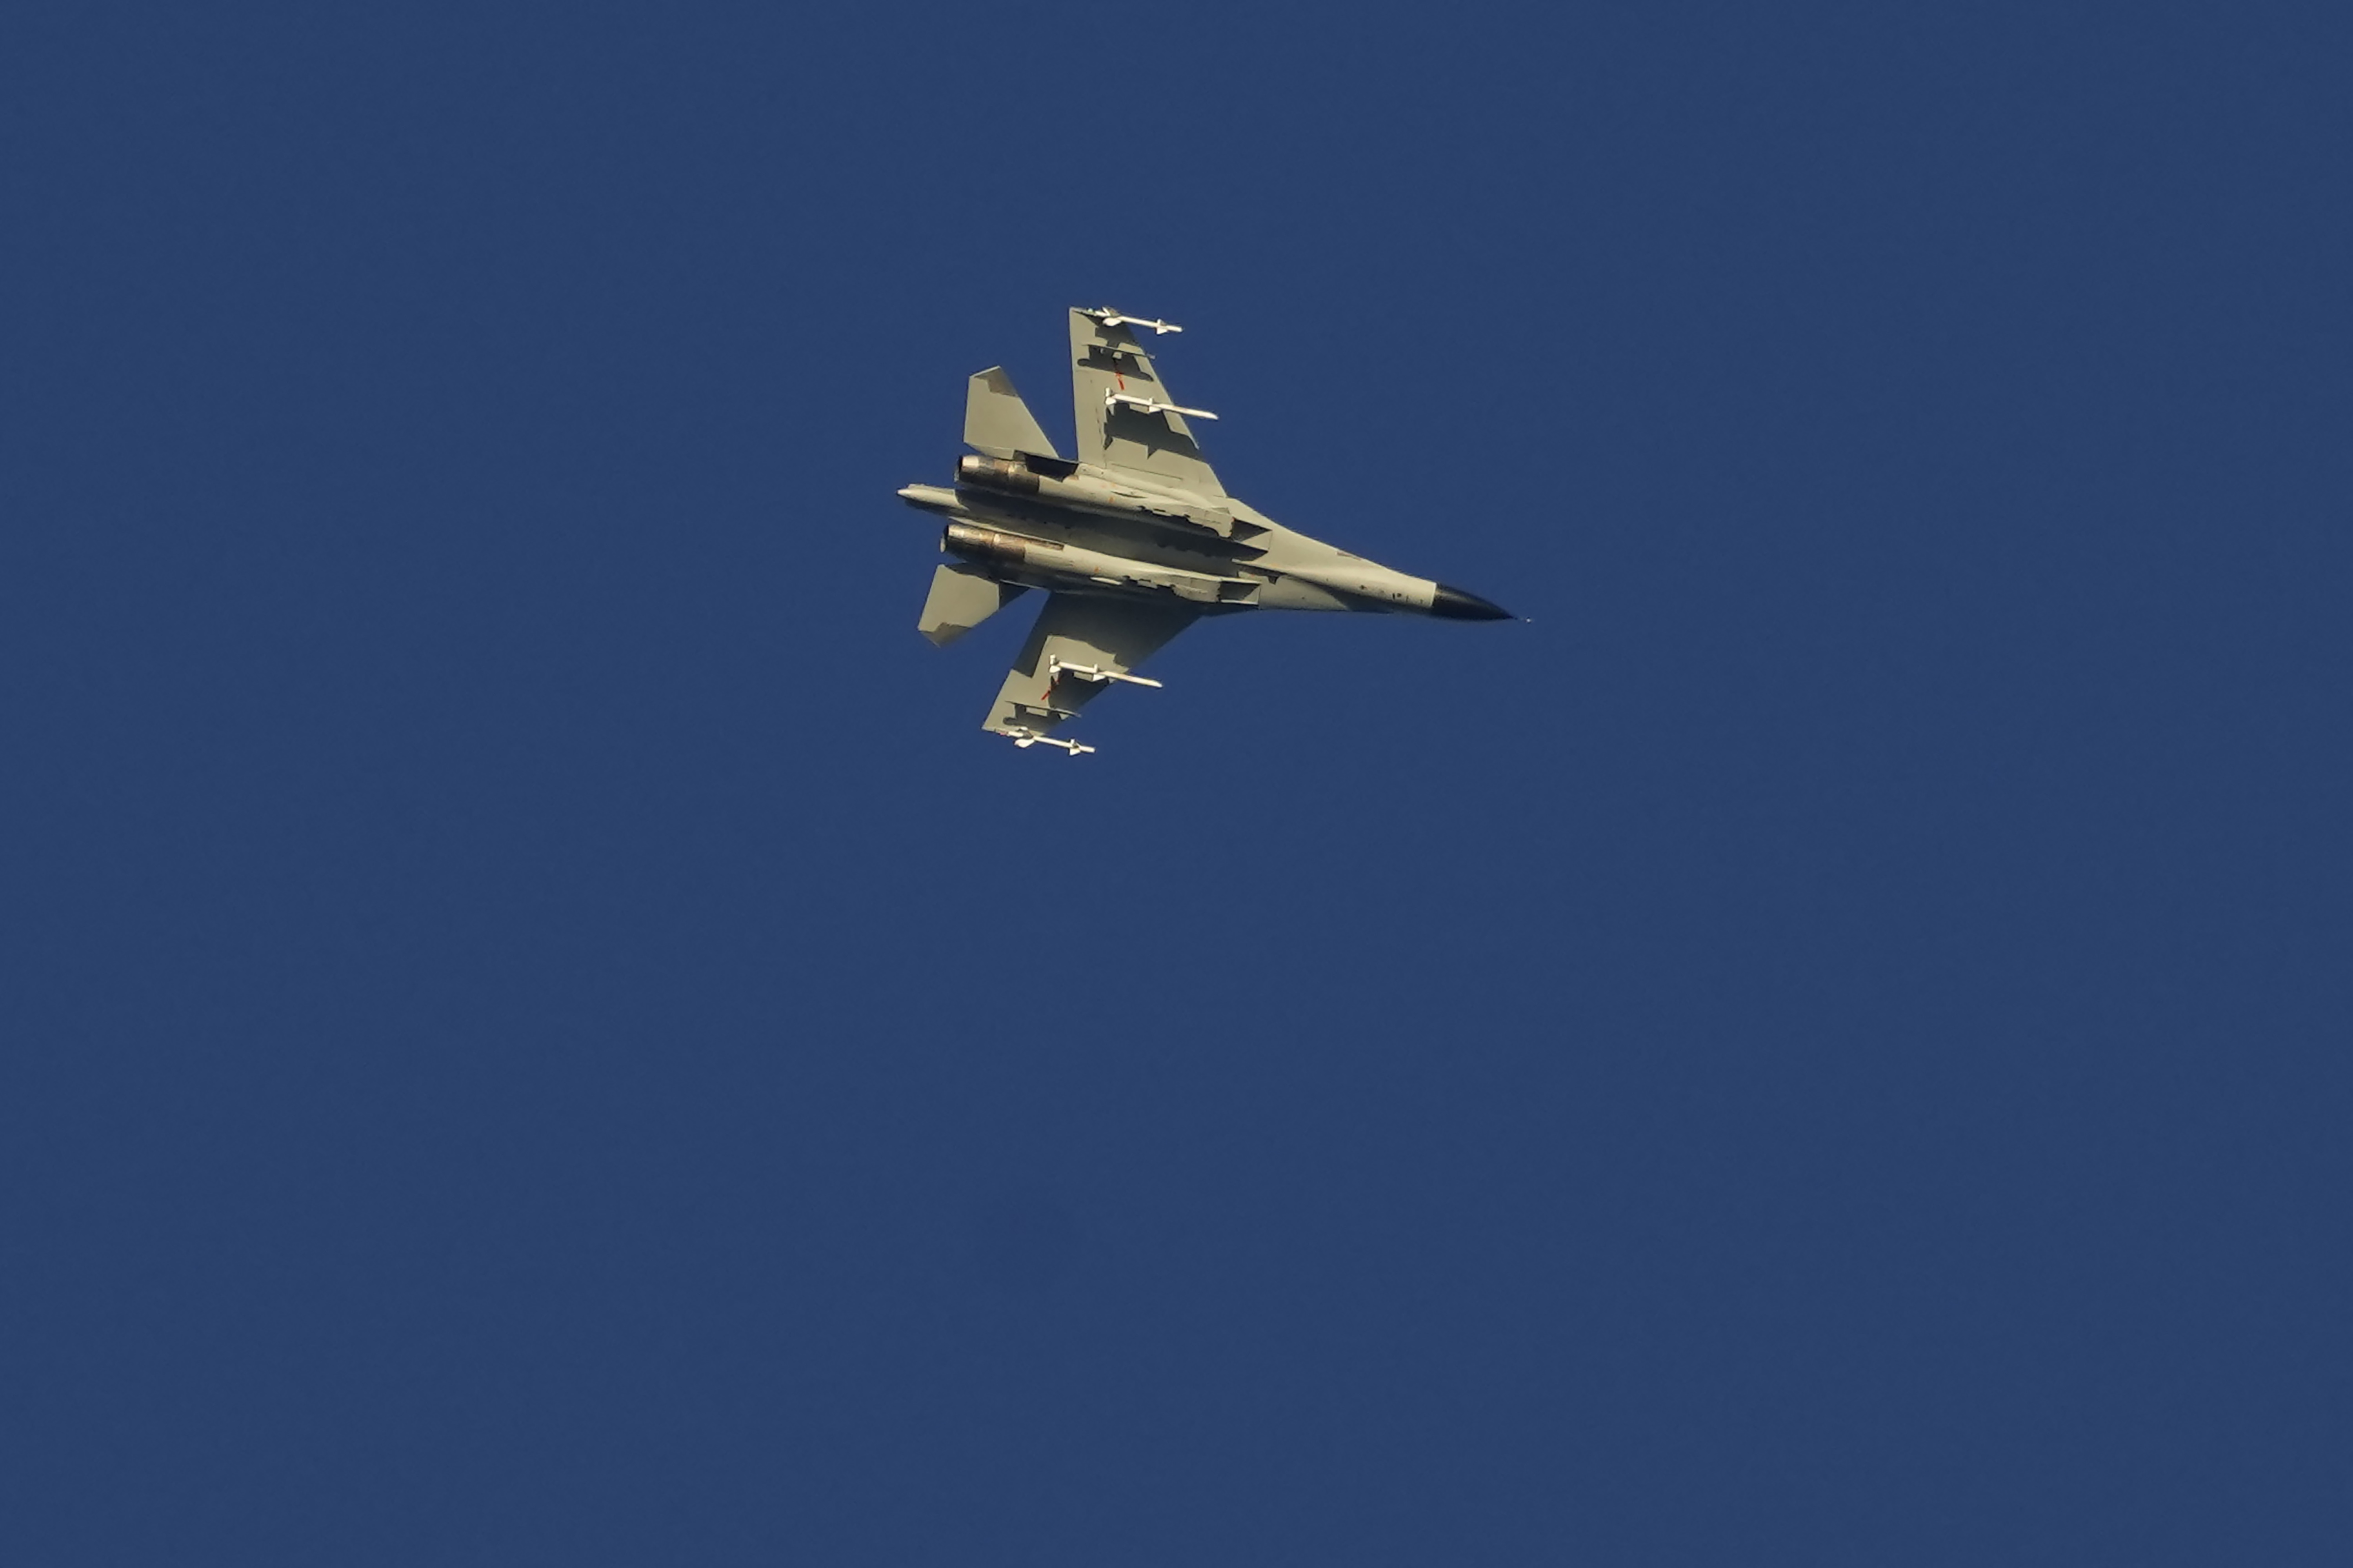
<point x="1127" y="420"/>
<point x="1082" y="643"/>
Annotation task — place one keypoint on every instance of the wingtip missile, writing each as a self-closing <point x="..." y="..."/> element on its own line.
<point x="1024" y="739"/>
<point x="1112" y="318"/>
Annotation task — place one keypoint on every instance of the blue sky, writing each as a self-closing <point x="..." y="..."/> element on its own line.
<point x="538" y="1030"/>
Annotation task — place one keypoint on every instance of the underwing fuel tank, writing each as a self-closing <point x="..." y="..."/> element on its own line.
<point x="1090" y="493"/>
<point x="1051" y="563"/>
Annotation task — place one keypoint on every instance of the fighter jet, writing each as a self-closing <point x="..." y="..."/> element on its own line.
<point x="1133" y="540"/>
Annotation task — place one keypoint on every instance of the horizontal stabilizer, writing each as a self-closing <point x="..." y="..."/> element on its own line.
<point x="996" y="420"/>
<point x="961" y="598"/>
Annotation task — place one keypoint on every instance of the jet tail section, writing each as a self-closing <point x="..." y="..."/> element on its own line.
<point x="961" y="598"/>
<point x="996" y="420"/>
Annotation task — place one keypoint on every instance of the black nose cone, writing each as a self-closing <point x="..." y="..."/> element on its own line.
<point x="1457" y="605"/>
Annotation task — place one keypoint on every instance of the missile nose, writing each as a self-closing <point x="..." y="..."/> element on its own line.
<point x="1457" y="605"/>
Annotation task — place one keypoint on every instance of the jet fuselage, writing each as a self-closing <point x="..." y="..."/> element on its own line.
<point x="1132" y="539"/>
<point x="1070" y="530"/>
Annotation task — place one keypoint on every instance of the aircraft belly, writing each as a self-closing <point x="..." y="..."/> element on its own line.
<point x="1053" y="563"/>
<point x="962" y="596"/>
<point x="1128" y="538"/>
<point x="1350" y="584"/>
<point x="1295" y="593"/>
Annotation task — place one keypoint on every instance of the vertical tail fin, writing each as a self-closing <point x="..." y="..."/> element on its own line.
<point x="996" y="420"/>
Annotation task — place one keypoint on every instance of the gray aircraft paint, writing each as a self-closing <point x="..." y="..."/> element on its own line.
<point x="963" y="595"/>
<point x="1131" y="542"/>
